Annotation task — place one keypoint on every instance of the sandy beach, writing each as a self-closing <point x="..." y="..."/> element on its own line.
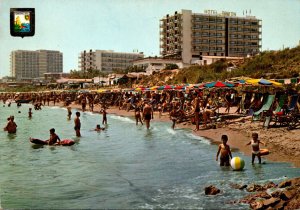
<point x="284" y="145"/>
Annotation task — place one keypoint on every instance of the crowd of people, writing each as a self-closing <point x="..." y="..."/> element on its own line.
<point x="197" y="106"/>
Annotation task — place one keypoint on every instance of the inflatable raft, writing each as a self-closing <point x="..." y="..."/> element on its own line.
<point x="264" y="152"/>
<point x="64" y="142"/>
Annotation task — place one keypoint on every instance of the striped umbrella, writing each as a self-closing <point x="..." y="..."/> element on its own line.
<point x="218" y="84"/>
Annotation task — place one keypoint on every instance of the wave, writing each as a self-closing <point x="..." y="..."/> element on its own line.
<point x="123" y="119"/>
<point x="91" y="113"/>
<point x="199" y="138"/>
<point x="56" y="107"/>
<point x="171" y="131"/>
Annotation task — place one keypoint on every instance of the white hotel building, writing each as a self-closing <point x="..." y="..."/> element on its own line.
<point x="28" y="65"/>
<point x="106" y="60"/>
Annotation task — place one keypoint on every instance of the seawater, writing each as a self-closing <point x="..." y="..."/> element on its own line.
<point x="125" y="166"/>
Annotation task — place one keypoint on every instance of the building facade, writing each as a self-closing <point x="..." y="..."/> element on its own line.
<point x="106" y="60"/>
<point x="189" y="36"/>
<point x="28" y="65"/>
<point x="152" y="64"/>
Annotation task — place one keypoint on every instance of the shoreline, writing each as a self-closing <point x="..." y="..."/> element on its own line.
<point x="282" y="148"/>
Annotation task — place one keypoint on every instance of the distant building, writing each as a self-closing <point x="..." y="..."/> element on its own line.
<point x="189" y="36"/>
<point x="106" y="60"/>
<point x="50" y="62"/>
<point x="28" y="65"/>
<point x="152" y="64"/>
<point x="55" y="75"/>
<point x="207" y="60"/>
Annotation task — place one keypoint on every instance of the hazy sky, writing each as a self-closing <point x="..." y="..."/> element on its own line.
<point x="71" y="26"/>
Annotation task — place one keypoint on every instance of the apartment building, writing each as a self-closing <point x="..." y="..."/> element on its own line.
<point x="106" y="60"/>
<point x="50" y="62"/>
<point x="189" y="36"/>
<point x="28" y="65"/>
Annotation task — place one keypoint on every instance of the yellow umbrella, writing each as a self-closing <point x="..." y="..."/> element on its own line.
<point x="154" y="87"/>
<point x="263" y="82"/>
<point x="102" y="91"/>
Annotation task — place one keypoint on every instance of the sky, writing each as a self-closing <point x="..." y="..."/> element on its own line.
<point x="72" y="26"/>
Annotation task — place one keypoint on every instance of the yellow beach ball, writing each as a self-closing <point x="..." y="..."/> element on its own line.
<point x="237" y="163"/>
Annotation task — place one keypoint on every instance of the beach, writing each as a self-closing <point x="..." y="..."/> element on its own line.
<point x="165" y="167"/>
<point x="283" y="144"/>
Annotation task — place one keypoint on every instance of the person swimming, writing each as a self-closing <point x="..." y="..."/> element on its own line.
<point x="98" y="128"/>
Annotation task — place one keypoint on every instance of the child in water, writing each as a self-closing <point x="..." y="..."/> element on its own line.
<point x="224" y="149"/>
<point x="98" y="128"/>
<point x="255" y="147"/>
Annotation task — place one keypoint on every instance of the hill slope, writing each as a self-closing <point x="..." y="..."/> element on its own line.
<point x="268" y="64"/>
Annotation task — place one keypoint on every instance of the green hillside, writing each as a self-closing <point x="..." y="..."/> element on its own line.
<point x="268" y="64"/>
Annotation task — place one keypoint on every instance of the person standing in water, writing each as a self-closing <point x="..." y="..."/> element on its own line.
<point x="104" y="116"/>
<point x="173" y="116"/>
<point x="137" y="114"/>
<point x="255" y="147"/>
<point x="30" y="113"/>
<point x="224" y="149"/>
<point x="11" y="126"/>
<point x="77" y="124"/>
<point x="69" y="113"/>
<point x="147" y="114"/>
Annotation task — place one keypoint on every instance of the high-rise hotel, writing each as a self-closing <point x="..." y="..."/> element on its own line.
<point x="190" y="36"/>
<point x="28" y="65"/>
<point x="106" y="60"/>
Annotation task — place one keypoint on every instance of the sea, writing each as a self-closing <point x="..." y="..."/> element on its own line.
<point x="125" y="166"/>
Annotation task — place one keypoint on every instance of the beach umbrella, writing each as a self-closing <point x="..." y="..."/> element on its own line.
<point x="200" y="85"/>
<point x="263" y="82"/>
<point x="179" y="87"/>
<point x="166" y="87"/>
<point x="103" y="91"/>
<point x="139" y="89"/>
<point x="218" y="84"/>
<point x="154" y="87"/>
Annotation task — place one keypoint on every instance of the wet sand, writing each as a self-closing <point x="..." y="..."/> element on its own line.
<point x="284" y="145"/>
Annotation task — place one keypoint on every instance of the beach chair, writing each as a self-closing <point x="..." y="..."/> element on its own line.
<point x="266" y="107"/>
<point x="293" y="103"/>
<point x="281" y="101"/>
<point x="269" y="116"/>
<point x="289" y="113"/>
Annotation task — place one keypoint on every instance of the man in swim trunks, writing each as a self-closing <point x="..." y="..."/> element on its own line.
<point x="173" y="116"/>
<point x="11" y="126"/>
<point x="104" y="116"/>
<point x="224" y="149"/>
<point x="147" y="114"/>
<point x="77" y="124"/>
